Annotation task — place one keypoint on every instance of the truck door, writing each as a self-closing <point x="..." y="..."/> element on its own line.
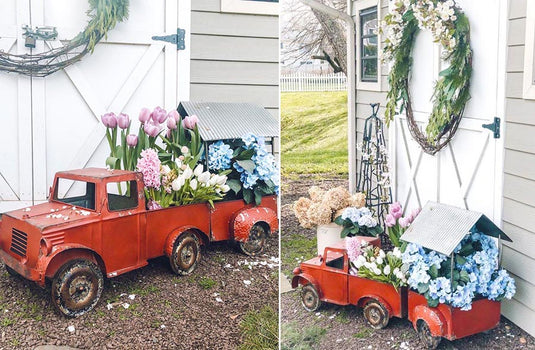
<point x="121" y="228"/>
<point x="334" y="280"/>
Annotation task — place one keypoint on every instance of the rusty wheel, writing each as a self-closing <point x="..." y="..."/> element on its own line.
<point x="11" y="272"/>
<point x="376" y="314"/>
<point x="424" y="333"/>
<point x="310" y="298"/>
<point x="77" y="287"/>
<point x="186" y="254"/>
<point x="255" y="242"/>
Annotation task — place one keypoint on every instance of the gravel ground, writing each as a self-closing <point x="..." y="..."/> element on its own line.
<point x="344" y="326"/>
<point x="200" y="311"/>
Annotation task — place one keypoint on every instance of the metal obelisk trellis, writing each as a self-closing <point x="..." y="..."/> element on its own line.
<point x="374" y="176"/>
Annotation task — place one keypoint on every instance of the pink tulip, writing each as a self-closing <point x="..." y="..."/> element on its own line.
<point x="171" y="123"/>
<point x="390" y="220"/>
<point x="109" y="120"/>
<point x="414" y="214"/>
<point x="158" y="115"/>
<point x="404" y="222"/>
<point x="123" y="120"/>
<point x="168" y="133"/>
<point x="395" y="210"/>
<point x="151" y="129"/>
<point x="131" y="140"/>
<point x="174" y="114"/>
<point x="144" y="115"/>
<point x="190" y="122"/>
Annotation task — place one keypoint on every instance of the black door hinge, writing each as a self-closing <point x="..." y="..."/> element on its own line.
<point x="494" y="127"/>
<point x="177" y="39"/>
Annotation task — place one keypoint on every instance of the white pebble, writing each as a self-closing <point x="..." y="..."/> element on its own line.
<point x="247" y="282"/>
<point x="70" y="329"/>
<point x="126" y="305"/>
<point x="132" y="296"/>
<point x="219" y="300"/>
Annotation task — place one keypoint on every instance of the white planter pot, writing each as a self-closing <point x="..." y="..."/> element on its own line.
<point x="328" y="235"/>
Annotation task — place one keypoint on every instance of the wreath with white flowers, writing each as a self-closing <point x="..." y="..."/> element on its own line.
<point x="449" y="26"/>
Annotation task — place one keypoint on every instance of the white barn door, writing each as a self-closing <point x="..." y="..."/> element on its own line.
<point x="467" y="173"/>
<point x="127" y="71"/>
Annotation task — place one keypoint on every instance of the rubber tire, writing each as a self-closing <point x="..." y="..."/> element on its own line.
<point x="376" y="314"/>
<point x="310" y="298"/>
<point x="257" y="230"/>
<point x="11" y="272"/>
<point x="426" y="338"/>
<point x="186" y="246"/>
<point x="63" y="284"/>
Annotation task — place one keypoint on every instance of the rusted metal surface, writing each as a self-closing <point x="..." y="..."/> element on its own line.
<point x="451" y="322"/>
<point x="37" y="241"/>
<point x="245" y="219"/>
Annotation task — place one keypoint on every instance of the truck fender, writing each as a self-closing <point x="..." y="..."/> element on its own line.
<point x="170" y="241"/>
<point x="432" y="317"/>
<point x="304" y="279"/>
<point x="64" y="253"/>
<point x="246" y="218"/>
<point x="365" y="298"/>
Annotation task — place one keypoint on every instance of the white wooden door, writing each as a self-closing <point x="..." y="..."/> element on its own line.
<point x="127" y="71"/>
<point x="467" y="173"/>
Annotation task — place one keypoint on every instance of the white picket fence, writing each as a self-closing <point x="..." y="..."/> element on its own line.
<point x="313" y="82"/>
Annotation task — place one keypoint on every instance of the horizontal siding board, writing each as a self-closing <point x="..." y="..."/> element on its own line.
<point x="266" y="96"/>
<point x="520" y="137"/>
<point x="519" y="214"/>
<point x="521" y="315"/>
<point x="525" y="292"/>
<point x="519" y="264"/>
<point x="227" y="72"/>
<point x="517" y="28"/>
<point x="520" y="111"/>
<point x="519" y="188"/>
<point x="234" y="24"/>
<point x="210" y="47"/>
<point x="517" y="8"/>
<point x="206" y="5"/>
<point x="522" y="240"/>
<point x="520" y="164"/>
<point x="514" y="85"/>
<point x="515" y="59"/>
<point x="367" y="97"/>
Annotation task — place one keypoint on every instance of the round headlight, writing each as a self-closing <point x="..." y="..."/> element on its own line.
<point x="45" y="246"/>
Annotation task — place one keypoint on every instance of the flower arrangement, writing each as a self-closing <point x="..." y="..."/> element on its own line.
<point x="475" y="273"/>
<point x="358" y="221"/>
<point x="373" y="263"/>
<point x="323" y="206"/>
<point x="397" y="224"/>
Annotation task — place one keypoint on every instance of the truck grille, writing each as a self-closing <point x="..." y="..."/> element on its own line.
<point x="19" y="241"/>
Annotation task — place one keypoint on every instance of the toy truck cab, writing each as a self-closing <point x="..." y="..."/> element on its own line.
<point x="326" y="278"/>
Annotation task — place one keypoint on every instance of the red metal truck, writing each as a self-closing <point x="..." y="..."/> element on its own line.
<point x="74" y="240"/>
<point x="327" y="279"/>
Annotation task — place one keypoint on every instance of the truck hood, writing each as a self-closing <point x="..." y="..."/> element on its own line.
<point x="52" y="214"/>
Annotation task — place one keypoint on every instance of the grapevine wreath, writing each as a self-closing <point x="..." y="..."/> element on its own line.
<point x="103" y="16"/>
<point x="449" y="26"/>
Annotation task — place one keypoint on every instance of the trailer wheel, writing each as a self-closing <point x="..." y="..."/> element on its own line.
<point x="376" y="314"/>
<point x="424" y="333"/>
<point x="310" y="298"/>
<point x="11" y="272"/>
<point x="186" y="254"/>
<point x="255" y="242"/>
<point x="77" y="287"/>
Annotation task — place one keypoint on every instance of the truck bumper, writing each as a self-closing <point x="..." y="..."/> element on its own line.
<point x="25" y="271"/>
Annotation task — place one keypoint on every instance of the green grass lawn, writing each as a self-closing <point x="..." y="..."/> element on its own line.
<point x="314" y="132"/>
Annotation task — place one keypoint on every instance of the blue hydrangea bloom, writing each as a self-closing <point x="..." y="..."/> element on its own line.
<point x="219" y="156"/>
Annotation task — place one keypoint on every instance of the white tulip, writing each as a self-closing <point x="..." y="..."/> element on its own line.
<point x="382" y="254"/>
<point x="178" y="163"/>
<point x="221" y="179"/>
<point x="397" y="252"/>
<point x="379" y="260"/>
<point x="193" y="184"/>
<point x="225" y="188"/>
<point x="188" y="173"/>
<point x="204" y="177"/>
<point x="386" y="270"/>
<point x="165" y="169"/>
<point x="198" y="170"/>
<point x="177" y="183"/>
<point x="213" y="180"/>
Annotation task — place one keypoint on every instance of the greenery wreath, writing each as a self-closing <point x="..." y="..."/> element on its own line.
<point x="103" y="14"/>
<point x="449" y="27"/>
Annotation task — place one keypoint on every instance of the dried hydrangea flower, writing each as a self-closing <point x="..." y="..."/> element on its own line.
<point x="358" y="200"/>
<point x="337" y="198"/>
<point x="300" y="209"/>
<point x="316" y="193"/>
<point x="319" y="213"/>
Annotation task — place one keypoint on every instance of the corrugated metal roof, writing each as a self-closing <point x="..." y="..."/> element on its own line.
<point x="223" y="121"/>
<point x="442" y="227"/>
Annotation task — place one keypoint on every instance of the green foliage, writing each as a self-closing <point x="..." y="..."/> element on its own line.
<point x="104" y="15"/>
<point x="313" y="132"/>
<point x="260" y="330"/>
<point x="295" y="337"/>
<point x="296" y="246"/>
<point x="206" y="282"/>
<point x="451" y="92"/>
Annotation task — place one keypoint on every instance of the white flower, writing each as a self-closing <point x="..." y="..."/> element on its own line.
<point x="225" y="188"/>
<point x="165" y="169"/>
<point x="193" y="184"/>
<point x="184" y="150"/>
<point x="379" y="260"/>
<point x="377" y="271"/>
<point x="386" y="270"/>
<point x="204" y="177"/>
<point x="397" y="252"/>
<point x="382" y="253"/>
<point x="198" y="170"/>
<point x="188" y="173"/>
<point x="178" y="163"/>
<point x="177" y="183"/>
<point x="221" y="179"/>
<point x="396" y="271"/>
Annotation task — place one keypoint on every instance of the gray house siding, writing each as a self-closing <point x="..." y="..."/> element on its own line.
<point x="519" y="177"/>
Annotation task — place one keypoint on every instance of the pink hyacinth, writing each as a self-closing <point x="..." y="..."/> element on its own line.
<point x="190" y="122"/>
<point x="144" y="115"/>
<point x="131" y="140"/>
<point x="390" y="220"/>
<point x="395" y="210"/>
<point x="153" y="205"/>
<point x="149" y="166"/>
<point x="123" y="120"/>
<point x="158" y="115"/>
<point x="353" y="247"/>
<point x="151" y="129"/>
<point x="109" y="120"/>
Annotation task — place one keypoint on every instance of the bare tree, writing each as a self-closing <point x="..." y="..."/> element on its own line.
<point x="308" y="33"/>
